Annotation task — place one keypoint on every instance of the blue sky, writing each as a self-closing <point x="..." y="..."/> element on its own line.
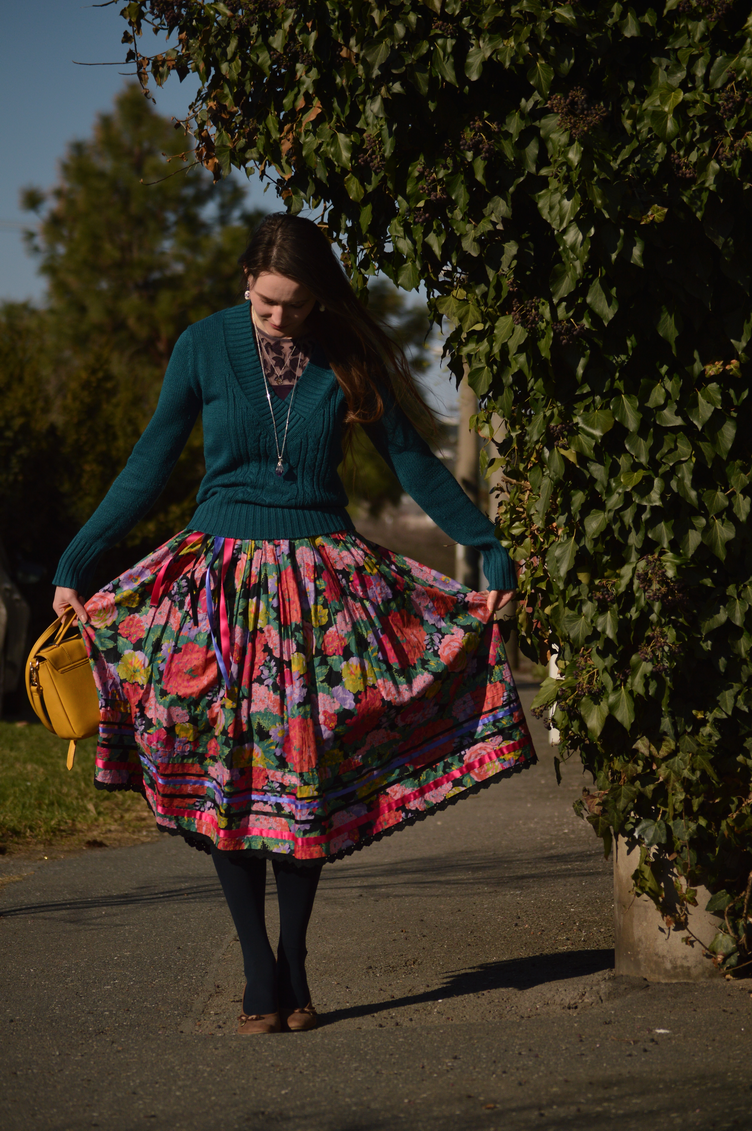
<point x="49" y="99"/>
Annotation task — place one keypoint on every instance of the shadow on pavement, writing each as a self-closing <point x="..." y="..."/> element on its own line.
<point x="197" y="892"/>
<point x="517" y="974"/>
<point x="448" y="871"/>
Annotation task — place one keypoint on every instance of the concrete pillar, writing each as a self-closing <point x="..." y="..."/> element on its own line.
<point x="645" y="946"/>
<point x="553" y="671"/>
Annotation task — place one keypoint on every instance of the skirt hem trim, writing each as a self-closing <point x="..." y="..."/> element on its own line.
<point x="206" y="844"/>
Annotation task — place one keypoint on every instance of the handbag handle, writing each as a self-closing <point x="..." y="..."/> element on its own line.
<point x="57" y="629"/>
<point x="66" y="620"/>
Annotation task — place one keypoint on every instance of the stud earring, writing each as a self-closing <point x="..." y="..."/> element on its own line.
<point x="247" y="296"/>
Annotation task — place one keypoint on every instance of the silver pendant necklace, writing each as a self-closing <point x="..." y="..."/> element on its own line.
<point x="281" y="466"/>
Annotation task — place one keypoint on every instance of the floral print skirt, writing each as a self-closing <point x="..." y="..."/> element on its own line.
<point x="300" y="697"/>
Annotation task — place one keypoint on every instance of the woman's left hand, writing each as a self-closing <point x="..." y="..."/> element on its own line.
<point x="498" y="598"/>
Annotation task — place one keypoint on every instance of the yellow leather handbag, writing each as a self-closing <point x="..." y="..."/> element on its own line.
<point x="60" y="683"/>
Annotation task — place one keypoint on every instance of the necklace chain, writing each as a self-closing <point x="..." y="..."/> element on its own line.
<point x="281" y="468"/>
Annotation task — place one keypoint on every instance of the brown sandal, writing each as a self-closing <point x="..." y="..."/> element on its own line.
<point x="259" y="1023"/>
<point x="299" y="1020"/>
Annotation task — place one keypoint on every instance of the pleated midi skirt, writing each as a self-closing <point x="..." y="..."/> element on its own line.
<point x="299" y="698"/>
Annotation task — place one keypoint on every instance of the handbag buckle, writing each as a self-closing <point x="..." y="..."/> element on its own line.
<point x="33" y="680"/>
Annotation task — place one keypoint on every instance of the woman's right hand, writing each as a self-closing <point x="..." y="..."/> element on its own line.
<point x="69" y="599"/>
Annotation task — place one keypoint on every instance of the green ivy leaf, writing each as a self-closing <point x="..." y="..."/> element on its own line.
<point x="366" y="217"/>
<point x="563" y="280"/>
<point x="717" y="534"/>
<point x="354" y="188"/>
<point x="479" y="378"/>
<point x="722" y="945"/>
<point x="623" y="797"/>
<point x="639" y="446"/>
<point x="602" y="302"/>
<point x="700" y="410"/>
<point x="503" y="331"/>
<point x="444" y="65"/>
<point x="608" y="624"/>
<point x="595" y="523"/>
<point x="596" y="423"/>
<point x="648" y="884"/>
<point x="541" y="76"/>
<point x="684" y="482"/>
<point x="565" y="555"/>
<point x="741" y="506"/>
<point x="474" y="61"/>
<point x="630" y="26"/>
<point x="670" y="97"/>
<point x="547" y="693"/>
<point x="665" y="124"/>
<point x="722" y="439"/>
<point x="668" y="417"/>
<point x="457" y="189"/>
<point x="555" y="464"/>
<point x="631" y="478"/>
<point x="576" y="627"/>
<point x="715" y="501"/>
<point x="652" y="832"/>
<point x="409" y="276"/>
<point x="718" y="903"/>
<point x="667" y="326"/>
<point x="594" y="715"/>
<point x="719" y="71"/>
<point x="621" y="706"/>
<point x="662" y="532"/>
<point x="640" y="671"/>
<point x="626" y="410"/>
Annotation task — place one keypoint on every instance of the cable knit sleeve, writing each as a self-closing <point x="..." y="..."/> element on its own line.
<point x="145" y="474"/>
<point x="434" y="488"/>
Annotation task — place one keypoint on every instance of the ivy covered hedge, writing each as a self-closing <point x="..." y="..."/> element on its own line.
<point x="571" y="184"/>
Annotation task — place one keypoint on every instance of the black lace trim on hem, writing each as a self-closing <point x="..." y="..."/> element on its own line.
<point x="421" y="815"/>
<point x="111" y="787"/>
<point x="205" y="844"/>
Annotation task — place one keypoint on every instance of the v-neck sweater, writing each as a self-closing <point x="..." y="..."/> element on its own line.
<point x="215" y="371"/>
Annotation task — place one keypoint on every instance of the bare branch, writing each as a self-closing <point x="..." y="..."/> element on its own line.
<point x="148" y="184"/>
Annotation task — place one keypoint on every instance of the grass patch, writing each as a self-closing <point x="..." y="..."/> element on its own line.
<point x="43" y="805"/>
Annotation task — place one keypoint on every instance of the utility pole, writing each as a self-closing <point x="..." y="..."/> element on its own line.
<point x="467" y="561"/>
<point x="496" y="495"/>
<point x="467" y="471"/>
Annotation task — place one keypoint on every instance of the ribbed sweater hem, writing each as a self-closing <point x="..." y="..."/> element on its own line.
<point x="228" y="520"/>
<point x="251" y="520"/>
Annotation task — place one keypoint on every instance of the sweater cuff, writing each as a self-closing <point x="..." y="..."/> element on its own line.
<point x="76" y="566"/>
<point x="499" y="568"/>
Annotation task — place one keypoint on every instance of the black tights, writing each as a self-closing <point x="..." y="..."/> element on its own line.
<point x="243" y="880"/>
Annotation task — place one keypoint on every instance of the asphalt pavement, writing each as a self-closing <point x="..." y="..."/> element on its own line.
<point x="463" y="969"/>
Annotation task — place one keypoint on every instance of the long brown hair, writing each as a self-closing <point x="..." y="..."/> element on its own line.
<point x="360" y="352"/>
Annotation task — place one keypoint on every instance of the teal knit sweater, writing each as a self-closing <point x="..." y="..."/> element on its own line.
<point x="215" y="370"/>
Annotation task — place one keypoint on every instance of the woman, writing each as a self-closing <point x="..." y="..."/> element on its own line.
<point x="276" y="686"/>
